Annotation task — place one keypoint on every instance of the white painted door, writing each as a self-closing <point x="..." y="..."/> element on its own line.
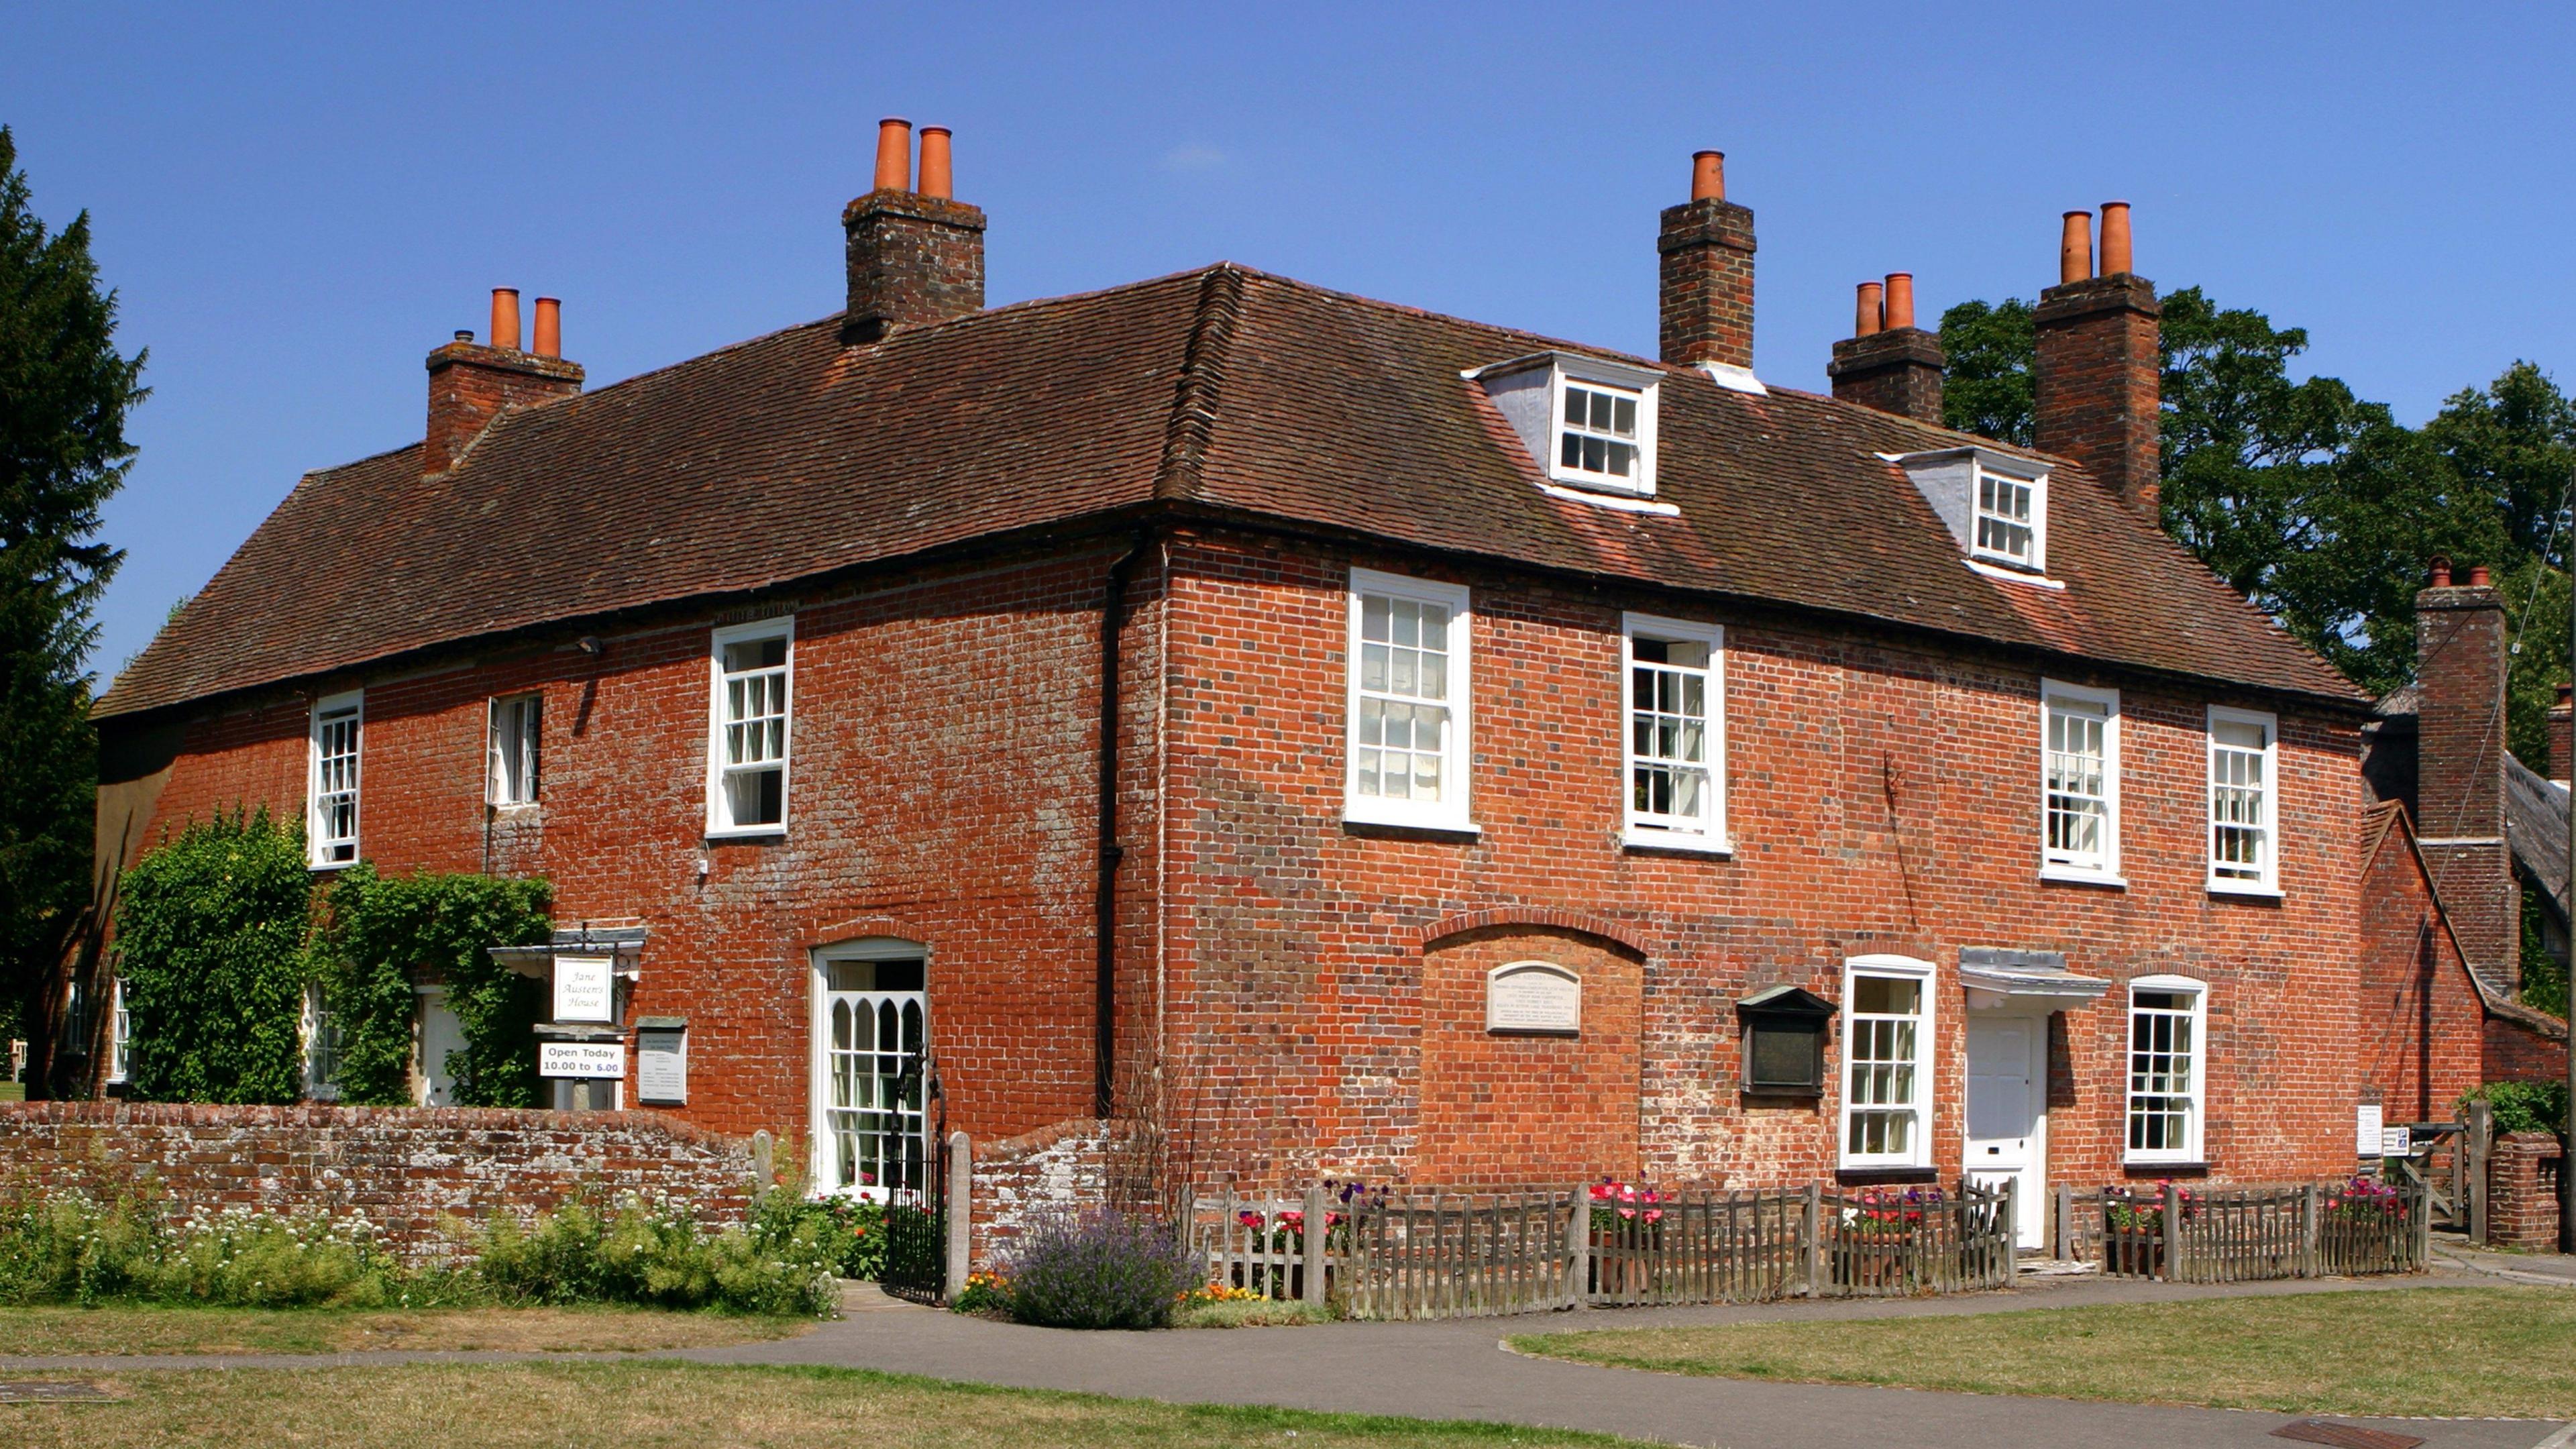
<point x="2004" y="1124"/>
<point x="440" y="1033"/>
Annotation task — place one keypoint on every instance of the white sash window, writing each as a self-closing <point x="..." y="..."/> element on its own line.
<point x="1408" y="701"/>
<point x="1676" y="755"/>
<point x="747" y="738"/>
<point x="1887" y="1073"/>
<point x="2243" y="836"/>
<point x="2167" y="1045"/>
<point x="2080" y="783"/>
<point x="331" y="811"/>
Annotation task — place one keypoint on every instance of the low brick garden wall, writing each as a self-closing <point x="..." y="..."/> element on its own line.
<point x="405" y="1168"/>
<point x="1070" y="1165"/>
<point x="2524" y="1178"/>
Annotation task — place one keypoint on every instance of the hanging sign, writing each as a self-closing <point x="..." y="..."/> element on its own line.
<point x="1533" y="996"/>
<point x="581" y="1060"/>
<point x="585" y="989"/>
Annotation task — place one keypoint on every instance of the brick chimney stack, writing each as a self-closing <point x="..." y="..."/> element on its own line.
<point x="1888" y="363"/>
<point x="2460" y="765"/>
<point x="471" y="384"/>
<point x="915" y="257"/>
<point x="2562" y="735"/>
<point x="1705" y="301"/>
<point x="2096" y="386"/>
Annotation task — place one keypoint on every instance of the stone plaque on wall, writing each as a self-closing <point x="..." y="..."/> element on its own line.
<point x="1533" y="998"/>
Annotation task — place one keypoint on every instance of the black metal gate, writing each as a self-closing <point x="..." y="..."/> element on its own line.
<point x="916" y="1209"/>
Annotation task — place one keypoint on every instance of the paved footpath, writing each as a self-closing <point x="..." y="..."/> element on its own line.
<point x="1459" y="1370"/>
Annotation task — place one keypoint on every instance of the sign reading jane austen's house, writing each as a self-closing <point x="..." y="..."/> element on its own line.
<point x="1533" y="998"/>
<point x="584" y="989"/>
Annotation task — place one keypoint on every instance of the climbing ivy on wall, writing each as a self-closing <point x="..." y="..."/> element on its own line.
<point x="210" y="937"/>
<point x="381" y="929"/>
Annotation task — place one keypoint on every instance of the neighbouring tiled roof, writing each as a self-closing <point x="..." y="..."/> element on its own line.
<point x="791" y="456"/>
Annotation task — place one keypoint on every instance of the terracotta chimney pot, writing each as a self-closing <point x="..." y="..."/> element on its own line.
<point x="1708" y="176"/>
<point x="505" y="318"/>
<point x="2075" y="247"/>
<point x="549" y="339"/>
<point x="1866" y="310"/>
<point x="2115" y="238"/>
<point x="2441" y="571"/>
<point x="2478" y="576"/>
<point x="935" y="178"/>
<point x="1900" y="300"/>
<point x="894" y="154"/>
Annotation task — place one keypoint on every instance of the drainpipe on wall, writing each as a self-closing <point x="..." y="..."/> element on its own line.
<point x="1104" y="905"/>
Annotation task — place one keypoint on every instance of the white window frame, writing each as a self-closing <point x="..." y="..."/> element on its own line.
<point x="321" y="847"/>
<point x="2267" y="881"/>
<point x="719" y="819"/>
<point x="2106" y="871"/>
<point x="514" y="749"/>
<point x="2037" y="482"/>
<point x="1603" y="377"/>
<point x="120" y="1031"/>
<point x="1451" y="812"/>
<point x="1918" y="1151"/>
<point x="1643" y="829"/>
<point x="823" y="1166"/>
<point x="2196" y="1144"/>
<point x="321" y="1066"/>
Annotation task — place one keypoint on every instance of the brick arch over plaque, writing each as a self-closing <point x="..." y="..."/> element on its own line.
<point x="1543" y="918"/>
<point x="1501" y="1108"/>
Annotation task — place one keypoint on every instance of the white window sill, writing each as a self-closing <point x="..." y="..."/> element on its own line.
<point x="1881" y="1164"/>
<point x="2069" y="875"/>
<point x="513" y="807"/>
<point x="2245" y="888"/>
<point x="2187" y="1159"/>
<point x="747" y="832"/>
<point x="2012" y="575"/>
<point x="329" y="864"/>
<point x="1621" y="500"/>
<point x="1366" y="812"/>
<point x="1681" y="841"/>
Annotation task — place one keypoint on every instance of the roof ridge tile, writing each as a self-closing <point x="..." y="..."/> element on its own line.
<point x="1196" y="394"/>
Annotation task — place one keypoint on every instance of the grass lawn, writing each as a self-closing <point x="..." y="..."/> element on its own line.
<point x="678" y="1406"/>
<point x="134" y="1329"/>
<point x="2493" y="1351"/>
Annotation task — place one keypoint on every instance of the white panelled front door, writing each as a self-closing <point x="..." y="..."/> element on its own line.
<point x="2007" y="1122"/>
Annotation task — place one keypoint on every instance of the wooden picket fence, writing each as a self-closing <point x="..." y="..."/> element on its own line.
<point x="1419" y="1253"/>
<point x="2247" y="1234"/>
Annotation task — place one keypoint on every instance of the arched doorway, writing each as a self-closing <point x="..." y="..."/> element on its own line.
<point x="871" y="1035"/>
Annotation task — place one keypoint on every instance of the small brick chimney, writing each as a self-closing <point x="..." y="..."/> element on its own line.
<point x="2461" y="659"/>
<point x="471" y="384"/>
<point x="1705" y="302"/>
<point x="2097" y="383"/>
<point x="915" y="257"/>
<point x="1888" y="363"/>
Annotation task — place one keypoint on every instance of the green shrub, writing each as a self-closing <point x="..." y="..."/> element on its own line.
<point x="847" y="1233"/>
<point x="210" y="931"/>
<point x="378" y="929"/>
<point x="1097" y="1270"/>
<point x="659" y="1256"/>
<point x="2524" y="1106"/>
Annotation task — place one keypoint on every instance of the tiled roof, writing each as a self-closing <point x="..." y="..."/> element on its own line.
<point x="791" y="456"/>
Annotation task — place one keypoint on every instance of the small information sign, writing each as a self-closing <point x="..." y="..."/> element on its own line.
<point x="2366" y="1133"/>
<point x="585" y="988"/>
<point x="662" y="1067"/>
<point x="581" y="1060"/>
<point x="2395" y="1141"/>
<point x="1537" y="997"/>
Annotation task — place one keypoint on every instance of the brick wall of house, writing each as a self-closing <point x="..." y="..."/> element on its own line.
<point x="2421" y="1019"/>
<point x="943" y="790"/>
<point x="2518" y="1051"/>
<point x="405" y="1169"/>
<point x="1523" y="1109"/>
<point x="1883" y="797"/>
<point x="2524" y="1177"/>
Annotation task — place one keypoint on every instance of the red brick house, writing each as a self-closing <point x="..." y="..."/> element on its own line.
<point x="1355" y="740"/>
<point x="2462" y="834"/>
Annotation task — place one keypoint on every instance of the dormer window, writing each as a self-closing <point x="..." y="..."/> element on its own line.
<point x="1598" y="433"/>
<point x="2004" y="513"/>
<point x="1588" y="422"/>
<point x="1993" y="503"/>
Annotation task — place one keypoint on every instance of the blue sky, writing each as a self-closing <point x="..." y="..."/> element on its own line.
<point x="297" y="204"/>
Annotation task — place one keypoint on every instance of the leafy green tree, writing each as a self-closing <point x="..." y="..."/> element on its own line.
<point x="1985" y="387"/>
<point x="64" y="395"/>
<point x="210" y="942"/>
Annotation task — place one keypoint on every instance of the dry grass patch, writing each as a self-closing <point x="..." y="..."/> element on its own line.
<point x="682" y="1406"/>
<point x="2468" y="1351"/>
<point x="129" y="1329"/>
